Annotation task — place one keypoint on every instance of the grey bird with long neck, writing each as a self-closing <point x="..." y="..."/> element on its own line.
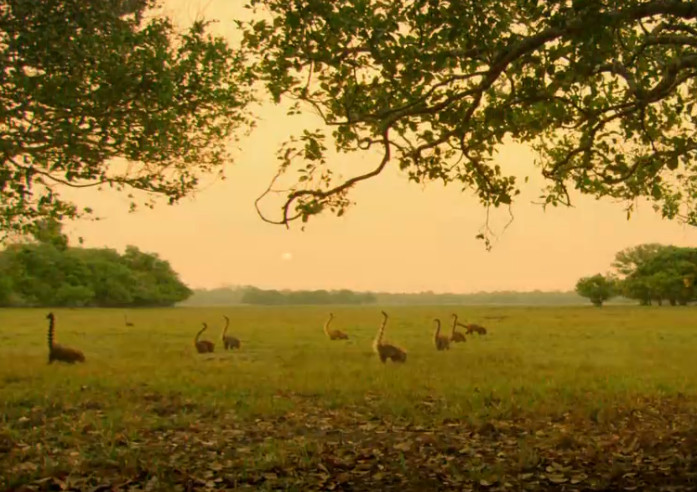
<point x="58" y="352"/>
<point x="229" y="342"/>
<point x="203" y="346"/>
<point x="385" y="350"/>
<point x="456" y="336"/>
<point x="333" y="334"/>
<point x="441" y="342"/>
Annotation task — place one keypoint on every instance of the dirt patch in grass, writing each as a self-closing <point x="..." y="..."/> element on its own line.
<point x="650" y="445"/>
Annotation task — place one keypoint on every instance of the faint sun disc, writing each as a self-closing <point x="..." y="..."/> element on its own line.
<point x="287" y="256"/>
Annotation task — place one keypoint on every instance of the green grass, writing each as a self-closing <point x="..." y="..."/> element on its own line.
<point x="144" y="382"/>
<point x="533" y="356"/>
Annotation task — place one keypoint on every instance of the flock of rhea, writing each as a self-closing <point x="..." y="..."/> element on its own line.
<point x="384" y="350"/>
<point x="205" y="346"/>
<point x="442" y="342"/>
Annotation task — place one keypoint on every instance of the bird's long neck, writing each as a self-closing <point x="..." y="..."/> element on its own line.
<point x="51" y="328"/>
<point x="437" y="331"/>
<point x="199" y="333"/>
<point x="227" y="325"/>
<point x="454" y="324"/>
<point x="381" y="330"/>
<point x="326" y="325"/>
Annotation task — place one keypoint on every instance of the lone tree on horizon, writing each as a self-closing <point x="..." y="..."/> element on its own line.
<point x="596" y="288"/>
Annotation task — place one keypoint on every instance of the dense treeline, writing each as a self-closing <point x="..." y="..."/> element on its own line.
<point x="250" y="295"/>
<point x="499" y="298"/>
<point x="220" y="296"/>
<point x="253" y="295"/>
<point x="48" y="272"/>
<point x="226" y="296"/>
<point x="648" y="273"/>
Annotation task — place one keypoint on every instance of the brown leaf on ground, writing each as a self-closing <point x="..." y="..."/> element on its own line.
<point x="649" y="447"/>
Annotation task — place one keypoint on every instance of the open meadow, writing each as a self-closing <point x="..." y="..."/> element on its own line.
<point x="570" y="398"/>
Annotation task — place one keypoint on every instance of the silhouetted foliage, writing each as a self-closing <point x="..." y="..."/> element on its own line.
<point x="602" y="91"/>
<point x="109" y="93"/>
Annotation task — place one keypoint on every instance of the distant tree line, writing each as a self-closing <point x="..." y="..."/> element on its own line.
<point x="648" y="273"/>
<point x="47" y="272"/>
<point x="235" y="295"/>
<point x="252" y="295"/>
<point x="225" y="296"/>
<point x="495" y="298"/>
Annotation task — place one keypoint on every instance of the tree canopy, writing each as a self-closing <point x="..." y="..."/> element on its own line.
<point x="108" y="93"/>
<point x="47" y="272"/>
<point x="596" y="288"/>
<point x="604" y="92"/>
<point x="648" y="273"/>
<point x="654" y="272"/>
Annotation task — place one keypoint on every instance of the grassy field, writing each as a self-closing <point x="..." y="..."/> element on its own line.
<point x="572" y="398"/>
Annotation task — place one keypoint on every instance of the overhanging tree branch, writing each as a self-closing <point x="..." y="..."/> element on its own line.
<point x="302" y="196"/>
<point x="602" y="90"/>
<point x="84" y="84"/>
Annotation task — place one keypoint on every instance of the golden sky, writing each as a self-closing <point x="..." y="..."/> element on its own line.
<point x="399" y="237"/>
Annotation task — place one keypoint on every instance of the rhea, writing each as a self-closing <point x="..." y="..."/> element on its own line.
<point x="333" y="334"/>
<point x="441" y="342"/>
<point x="229" y="342"/>
<point x="473" y="328"/>
<point x="456" y="336"/>
<point x="203" y="346"/>
<point x="385" y="350"/>
<point x="58" y="352"/>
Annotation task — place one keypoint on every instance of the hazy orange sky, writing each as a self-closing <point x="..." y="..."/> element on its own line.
<point x="399" y="237"/>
